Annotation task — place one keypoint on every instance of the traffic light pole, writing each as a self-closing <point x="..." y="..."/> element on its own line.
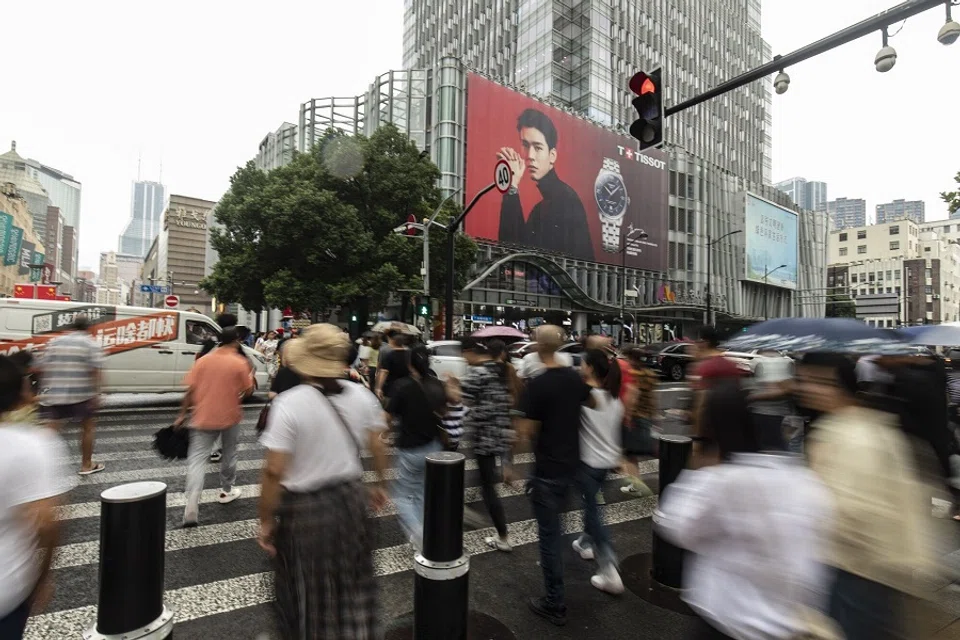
<point x="451" y="259"/>
<point x="840" y="38"/>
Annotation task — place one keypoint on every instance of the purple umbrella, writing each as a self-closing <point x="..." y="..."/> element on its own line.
<point x="494" y="331"/>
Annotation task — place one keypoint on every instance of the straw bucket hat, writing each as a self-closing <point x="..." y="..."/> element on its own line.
<point x="319" y="352"/>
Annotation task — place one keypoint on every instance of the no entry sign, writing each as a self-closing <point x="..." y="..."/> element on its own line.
<point x="171" y="302"/>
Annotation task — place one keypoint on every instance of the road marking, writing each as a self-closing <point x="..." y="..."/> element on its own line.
<point x="222" y="596"/>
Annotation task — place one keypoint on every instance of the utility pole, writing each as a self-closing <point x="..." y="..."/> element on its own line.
<point x="710" y="244"/>
<point x="624" y="243"/>
<point x="452" y="228"/>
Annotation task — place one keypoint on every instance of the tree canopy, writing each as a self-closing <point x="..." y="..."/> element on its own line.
<point x="318" y="232"/>
<point x="952" y="198"/>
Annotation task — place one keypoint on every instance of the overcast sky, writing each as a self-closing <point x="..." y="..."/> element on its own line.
<point x="196" y="86"/>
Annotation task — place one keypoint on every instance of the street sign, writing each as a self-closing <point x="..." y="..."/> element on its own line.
<point x="154" y="288"/>
<point x="503" y="176"/>
<point x="171" y="302"/>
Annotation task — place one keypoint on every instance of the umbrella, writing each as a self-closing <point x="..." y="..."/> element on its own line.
<point x="934" y="335"/>
<point x="841" y="335"/>
<point x="494" y="331"/>
<point x="394" y="325"/>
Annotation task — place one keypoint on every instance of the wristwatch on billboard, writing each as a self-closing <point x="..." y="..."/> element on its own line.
<point x="612" y="201"/>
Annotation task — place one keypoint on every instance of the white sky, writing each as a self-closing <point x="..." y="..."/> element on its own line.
<point x="197" y="85"/>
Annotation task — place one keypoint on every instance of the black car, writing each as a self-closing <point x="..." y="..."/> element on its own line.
<point x="670" y="359"/>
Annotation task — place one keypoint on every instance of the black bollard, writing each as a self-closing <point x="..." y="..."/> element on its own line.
<point x="667" y="562"/>
<point x="133" y="524"/>
<point x="440" y="581"/>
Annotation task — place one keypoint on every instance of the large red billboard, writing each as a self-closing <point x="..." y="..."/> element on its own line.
<point x="578" y="189"/>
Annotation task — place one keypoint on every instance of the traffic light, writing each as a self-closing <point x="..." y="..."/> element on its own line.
<point x="423" y="307"/>
<point x="648" y="129"/>
<point x="411" y="220"/>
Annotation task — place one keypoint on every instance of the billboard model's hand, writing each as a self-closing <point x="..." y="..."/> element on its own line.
<point x="517" y="165"/>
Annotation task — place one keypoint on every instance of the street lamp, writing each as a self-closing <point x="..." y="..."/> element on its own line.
<point x="710" y="244"/>
<point x="625" y="240"/>
<point x="766" y="274"/>
<point x="426" y="242"/>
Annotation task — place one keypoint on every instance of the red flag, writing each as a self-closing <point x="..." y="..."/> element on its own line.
<point x="24" y="291"/>
<point x="47" y="292"/>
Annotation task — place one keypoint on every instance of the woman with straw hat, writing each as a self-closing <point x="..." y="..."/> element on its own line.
<point x="313" y="504"/>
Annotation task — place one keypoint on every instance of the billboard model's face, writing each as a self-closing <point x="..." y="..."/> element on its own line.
<point x="539" y="156"/>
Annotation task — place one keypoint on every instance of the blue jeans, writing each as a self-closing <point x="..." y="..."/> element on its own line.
<point x="13" y="624"/>
<point x="408" y="489"/>
<point x="867" y="610"/>
<point x="548" y="497"/>
<point x="589" y="482"/>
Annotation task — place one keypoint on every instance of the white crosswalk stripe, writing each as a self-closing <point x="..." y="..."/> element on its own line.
<point x="232" y="529"/>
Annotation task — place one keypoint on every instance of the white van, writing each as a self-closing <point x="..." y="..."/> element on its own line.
<point x="147" y="350"/>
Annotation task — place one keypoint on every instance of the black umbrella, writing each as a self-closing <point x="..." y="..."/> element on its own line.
<point x="839" y="335"/>
<point x="171" y="443"/>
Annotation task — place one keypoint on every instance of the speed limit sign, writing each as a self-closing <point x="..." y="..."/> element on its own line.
<point x="503" y="176"/>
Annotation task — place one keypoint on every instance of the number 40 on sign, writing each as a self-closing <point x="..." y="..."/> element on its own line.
<point x="503" y="176"/>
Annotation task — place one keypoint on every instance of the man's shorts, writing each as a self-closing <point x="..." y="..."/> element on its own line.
<point x="77" y="412"/>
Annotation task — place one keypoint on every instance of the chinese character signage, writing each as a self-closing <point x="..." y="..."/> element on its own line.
<point x="771" y="239"/>
<point x="63" y="319"/>
<point x="26" y="257"/>
<point x="12" y="255"/>
<point x="36" y="273"/>
<point x="6" y="227"/>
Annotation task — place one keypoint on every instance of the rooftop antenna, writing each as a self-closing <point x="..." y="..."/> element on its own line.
<point x="160" y="179"/>
<point x="139" y="162"/>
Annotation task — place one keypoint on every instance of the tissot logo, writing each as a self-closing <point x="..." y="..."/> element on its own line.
<point x="636" y="156"/>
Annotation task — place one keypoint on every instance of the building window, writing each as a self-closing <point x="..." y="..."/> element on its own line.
<point x="843" y="251"/>
<point x="896" y="290"/>
<point x="862" y="248"/>
<point x="895" y="230"/>
<point x="889" y="323"/>
<point x="928" y="289"/>
<point x="896" y="274"/>
<point x="873" y="291"/>
<point x="889" y="275"/>
<point x="853" y="278"/>
<point x="889" y="290"/>
<point x="871" y="277"/>
<point x="843" y="237"/>
<point x="946" y="228"/>
<point x="894" y="245"/>
<point x="862" y="234"/>
<point x="929" y="306"/>
<point x="926" y="249"/>
<point x="879" y="275"/>
<point x="927" y="273"/>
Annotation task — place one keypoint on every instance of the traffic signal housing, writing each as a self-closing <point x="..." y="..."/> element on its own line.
<point x="648" y="87"/>
<point x="423" y="307"/>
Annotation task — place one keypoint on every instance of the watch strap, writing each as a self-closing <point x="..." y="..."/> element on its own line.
<point x="610" y="234"/>
<point x="609" y="164"/>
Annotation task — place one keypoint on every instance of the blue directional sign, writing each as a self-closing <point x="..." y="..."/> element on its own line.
<point x="153" y="288"/>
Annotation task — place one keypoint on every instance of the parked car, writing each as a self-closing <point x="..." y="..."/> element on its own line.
<point x="446" y="357"/>
<point x="670" y="359"/>
<point x="747" y="361"/>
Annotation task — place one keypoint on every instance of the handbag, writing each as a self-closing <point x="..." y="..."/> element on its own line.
<point x="264" y="416"/>
<point x="171" y="443"/>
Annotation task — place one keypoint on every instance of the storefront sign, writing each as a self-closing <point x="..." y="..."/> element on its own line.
<point x="12" y="255"/>
<point x="189" y="218"/>
<point x="6" y="227"/>
<point x="522" y="302"/>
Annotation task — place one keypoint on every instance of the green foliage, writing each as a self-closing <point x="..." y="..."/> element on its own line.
<point x="840" y="306"/>
<point x="318" y="232"/>
<point x="952" y="198"/>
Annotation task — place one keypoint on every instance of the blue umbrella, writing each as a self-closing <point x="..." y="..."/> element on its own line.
<point x="934" y="335"/>
<point x="839" y="335"/>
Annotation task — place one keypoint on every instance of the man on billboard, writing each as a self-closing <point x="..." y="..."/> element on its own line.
<point x="559" y="221"/>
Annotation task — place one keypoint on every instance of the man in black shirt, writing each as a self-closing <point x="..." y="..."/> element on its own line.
<point x="558" y="222"/>
<point x="394" y="367"/>
<point x="550" y="406"/>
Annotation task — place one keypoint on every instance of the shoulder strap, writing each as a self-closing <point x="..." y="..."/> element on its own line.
<point x="343" y="424"/>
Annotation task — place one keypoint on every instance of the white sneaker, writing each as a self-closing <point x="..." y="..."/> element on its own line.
<point x="585" y="550"/>
<point x="608" y="580"/>
<point x="225" y="497"/>
<point x="498" y="543"/>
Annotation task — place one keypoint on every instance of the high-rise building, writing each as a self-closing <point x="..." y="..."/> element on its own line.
<point x="581" y="55"/>
<point x="809" y="195"/>
<point x="64" y="192"/>
<point x="146" y="210"/>
<point x="845" y="213"/>
<point x="14" y="169"/>
<point x="53" y="243"/>
<point x="277" y="148"/>
<point x="901" y="210"/>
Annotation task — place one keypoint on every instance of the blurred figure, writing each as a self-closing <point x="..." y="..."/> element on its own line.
<point x="313" y="504"/>
<point x="285" y="379"/>
<point x="373" y="360"/>
<point x="32" y="479"/>
<point x="268" y="348"/>
<point x="600" y="447"/>
<point x="216" y="387"/>
<point x="550" y="410"/>
<point x="754" y="570"/>
<point x="498" y="351"/>
<point x="878" y="539"/>
<point x="533" y="363"/>
<point x="640" y="406"/>
<point x="394" y="366"/>
<point x="711" y="368"/>
<point x="770" y="400"/>
<point x="25" y="412"/>
<point x="453" y="418"/>
<point x="71" y="372"/>
<point x="485" y="387"/>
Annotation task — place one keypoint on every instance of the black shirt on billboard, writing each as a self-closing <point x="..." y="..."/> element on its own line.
<point x="557" y="223"/>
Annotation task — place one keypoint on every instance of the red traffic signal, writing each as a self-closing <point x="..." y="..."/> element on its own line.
<point x="649" y="105"/>
<point x="411" y="220"/>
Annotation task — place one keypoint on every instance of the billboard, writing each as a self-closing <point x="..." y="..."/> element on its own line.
<point x="12" y="256"/>
<point x="577" y="188"/>
<point x="771" y="239"/>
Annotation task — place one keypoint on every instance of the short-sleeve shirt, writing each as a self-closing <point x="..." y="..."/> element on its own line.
<point x="531" y="366"/>
<point x="714" y="368"/>
<point x="31" y="469"/>
<point x="419" y="424"/>
<point x="553" y="399"/>
<point x="323" y="444"/>
<point x="217" y="382"/>
<point x="69" y="364"/>
<point x="397" y="366"/>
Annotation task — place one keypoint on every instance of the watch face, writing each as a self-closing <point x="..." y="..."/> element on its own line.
<point x="611" y="195"/>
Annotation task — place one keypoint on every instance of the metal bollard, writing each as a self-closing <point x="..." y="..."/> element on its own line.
<point x="133" y="524"/>
<point x="440" y="581"/>
<point x="667" y="561"/>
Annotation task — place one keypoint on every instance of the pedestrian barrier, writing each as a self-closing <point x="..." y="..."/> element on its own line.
<point x="441" y="570"/>
<point x="132" y="537"/>
<point x="668" y="559"/>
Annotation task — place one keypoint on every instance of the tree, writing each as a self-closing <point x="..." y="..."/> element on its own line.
<point x="952" y="198"/>
<point x="318" y="232"/>
<point x="840" y="306"/>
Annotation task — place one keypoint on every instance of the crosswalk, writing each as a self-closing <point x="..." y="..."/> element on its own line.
<point x="217" y="567"/>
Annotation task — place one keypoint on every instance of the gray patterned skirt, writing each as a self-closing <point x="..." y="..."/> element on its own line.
<point x="324" y="565"/>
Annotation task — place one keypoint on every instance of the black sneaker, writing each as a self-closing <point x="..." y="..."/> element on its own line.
<point x="215" y="456"/>
<point x="542" y="608"/>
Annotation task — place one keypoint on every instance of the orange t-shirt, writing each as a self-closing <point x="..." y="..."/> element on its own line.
<point x="217" y="381"/>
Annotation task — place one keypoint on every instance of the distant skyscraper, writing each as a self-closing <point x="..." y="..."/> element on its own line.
<point x="901" y="210"/>
<point x="805" y="194"/>
<point x="845" y="213"/>
<point x="146" y="214"/>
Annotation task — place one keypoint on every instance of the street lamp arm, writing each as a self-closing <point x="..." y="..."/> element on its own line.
<point x="713" y="242"/>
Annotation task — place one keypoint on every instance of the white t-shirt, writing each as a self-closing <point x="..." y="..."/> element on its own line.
<point x="531" y="366"/>
<point x="32" y="468"/>
<point x="302" y="423"/>
<point x="364" y="352"/>
<point x="600" y="431"/>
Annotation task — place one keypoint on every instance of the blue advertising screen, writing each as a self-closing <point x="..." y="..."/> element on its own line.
<point x="771" y="240"/>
